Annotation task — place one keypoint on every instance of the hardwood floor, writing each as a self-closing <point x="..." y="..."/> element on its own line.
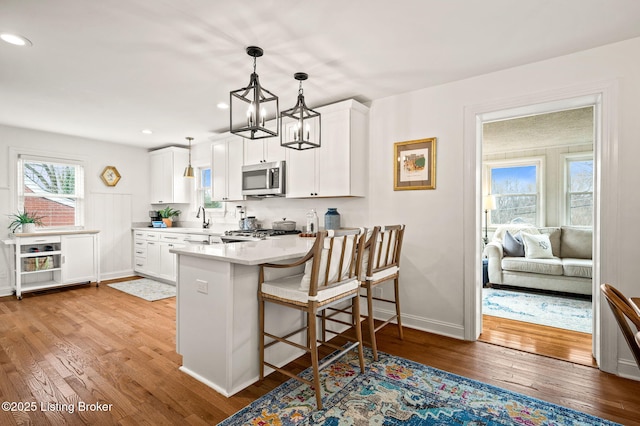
<point x="96" y="345"/>
<point x="554" y="342"/>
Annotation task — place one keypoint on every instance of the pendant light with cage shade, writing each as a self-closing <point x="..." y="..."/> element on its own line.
<point x="300" y="125"/>
<point x="250" y="107"/>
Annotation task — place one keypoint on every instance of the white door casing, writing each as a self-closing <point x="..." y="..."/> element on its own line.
<point x="604" y="95"/>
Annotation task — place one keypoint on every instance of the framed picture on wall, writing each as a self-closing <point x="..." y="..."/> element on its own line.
<point x="414" y="164"/>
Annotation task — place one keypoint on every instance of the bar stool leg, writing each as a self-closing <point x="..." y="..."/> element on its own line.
<point x="370" y="320"/>
<point x="396" y="282"/>
<point x="261" y="321"/>
<point x="355" y="310"/>
<point x="313" y="340"/>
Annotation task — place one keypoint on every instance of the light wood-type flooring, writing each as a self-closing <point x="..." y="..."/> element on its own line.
<point x="96" y="345"/>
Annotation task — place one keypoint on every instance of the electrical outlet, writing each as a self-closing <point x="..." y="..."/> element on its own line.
<point x="203" y="286"/>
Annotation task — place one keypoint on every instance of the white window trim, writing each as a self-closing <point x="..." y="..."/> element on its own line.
<point x="564" y="194"/>
<point x="16" y="154"/>
<point x="539" y="162"/>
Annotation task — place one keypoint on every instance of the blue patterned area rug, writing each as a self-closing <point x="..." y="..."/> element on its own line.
<point x="550" y="310"/>
<point x="396" y="391"/>
<point x="146" y="289"/>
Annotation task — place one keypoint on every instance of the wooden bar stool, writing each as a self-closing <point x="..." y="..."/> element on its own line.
<point x="332" y="272"/>
<point x="382" y="264"/>
<point x="623" y="308"/>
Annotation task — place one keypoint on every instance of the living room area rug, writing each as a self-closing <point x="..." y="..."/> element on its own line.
<point x="397" y="391"/>
<point x="554" y="311"/>
<point x="146" y="289"/>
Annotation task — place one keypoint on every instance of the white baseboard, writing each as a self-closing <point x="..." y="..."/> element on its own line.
<point x="6" y="291"/>
<point x="117" y="275"/>
<point x="455" y="331"/>
<point x="629" y="369"/>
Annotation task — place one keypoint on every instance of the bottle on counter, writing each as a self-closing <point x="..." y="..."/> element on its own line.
<point x="312" y="222"/>
<point x="332" y="219"/>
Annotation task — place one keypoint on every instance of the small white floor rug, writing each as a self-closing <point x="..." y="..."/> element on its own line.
<point x="554" y="311"/>
<point x="146" y="289"/>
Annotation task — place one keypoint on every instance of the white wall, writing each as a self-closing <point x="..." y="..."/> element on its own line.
<point x="110" y="210"/>
<point x="432" y="265"/>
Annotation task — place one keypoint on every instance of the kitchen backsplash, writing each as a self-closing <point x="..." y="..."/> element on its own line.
<point x="353" y="212"/>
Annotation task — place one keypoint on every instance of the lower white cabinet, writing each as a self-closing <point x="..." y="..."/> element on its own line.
<point x="79" y="258"/>
<point x="151" y="253"/>
<point x="53" y="260"/>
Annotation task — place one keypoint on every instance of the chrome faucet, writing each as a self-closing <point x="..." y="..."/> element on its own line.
<point x="205" y="222"/>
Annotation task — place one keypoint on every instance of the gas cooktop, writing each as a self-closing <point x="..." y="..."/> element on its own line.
<point x="259" y="233"/>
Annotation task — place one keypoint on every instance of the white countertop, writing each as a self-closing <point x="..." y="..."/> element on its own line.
<point x="273" y="249"/>
<point x="177" y="230"/>
<point x="13" y="236"/>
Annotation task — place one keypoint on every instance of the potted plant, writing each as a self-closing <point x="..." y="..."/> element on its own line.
<point x="26" y="220"/>
<point x="167" y="214"/>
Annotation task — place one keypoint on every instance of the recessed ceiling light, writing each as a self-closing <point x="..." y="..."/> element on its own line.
<point x="222" y="105"/>
<point x="147" y="131"/>
<point x="16" y="39"/>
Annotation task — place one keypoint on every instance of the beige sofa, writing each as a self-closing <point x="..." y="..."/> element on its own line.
<point x="567" y="267"/>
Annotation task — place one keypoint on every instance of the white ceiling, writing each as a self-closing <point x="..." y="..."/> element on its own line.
<point x="555" y="129"/>
<point x="108" y="69"/>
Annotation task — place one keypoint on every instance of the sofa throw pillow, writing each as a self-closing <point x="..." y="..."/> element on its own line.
<point x="576" y="242"/>
<point x="513" y="246"/>
<point x="514" y="229"/>
<point x="537" y="246"/>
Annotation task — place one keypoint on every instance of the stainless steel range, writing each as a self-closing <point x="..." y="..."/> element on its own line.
<point x="258" y="234"/>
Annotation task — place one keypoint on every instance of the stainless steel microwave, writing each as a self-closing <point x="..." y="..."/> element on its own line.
<point x="264" y="180"/>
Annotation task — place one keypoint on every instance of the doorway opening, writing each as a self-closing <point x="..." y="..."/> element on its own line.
<point x="538" y="181"/>
<point x="548" y="200"/>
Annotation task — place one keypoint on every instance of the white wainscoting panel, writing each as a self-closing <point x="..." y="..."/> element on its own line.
<point x="6" y="252"/>
<point x="111" y="213"/>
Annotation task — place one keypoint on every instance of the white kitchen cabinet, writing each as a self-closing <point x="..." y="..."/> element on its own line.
<point x="168" y="260"/>
<point x="168" y="185"/>
<point x="339" y="167"/>
<point x="79" y="258"/>
<point x="227" y="159"/>
<point x="53" y="259"/>
<point x="153" y="258"/>
<point x="151" y="253"/>
<point x="263" y="151"/>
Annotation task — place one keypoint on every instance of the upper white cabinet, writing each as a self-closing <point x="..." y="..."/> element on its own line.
<point x="227" y="159"/>
<point x="339" y="167"/>
<point x="264" y="150"/>
<point x="168" y="185"/>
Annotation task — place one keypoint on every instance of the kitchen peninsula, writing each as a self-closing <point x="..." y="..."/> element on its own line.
<point x="217" y="309"/>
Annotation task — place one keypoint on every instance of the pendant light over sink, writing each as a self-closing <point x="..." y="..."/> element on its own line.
<point x="300" y="126"/>
<point x="188" y="171"/>
<point x="251" y="105"/>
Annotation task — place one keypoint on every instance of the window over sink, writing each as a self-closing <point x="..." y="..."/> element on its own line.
<point x="52" y="187"/>
<point x="204" y="190"/>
